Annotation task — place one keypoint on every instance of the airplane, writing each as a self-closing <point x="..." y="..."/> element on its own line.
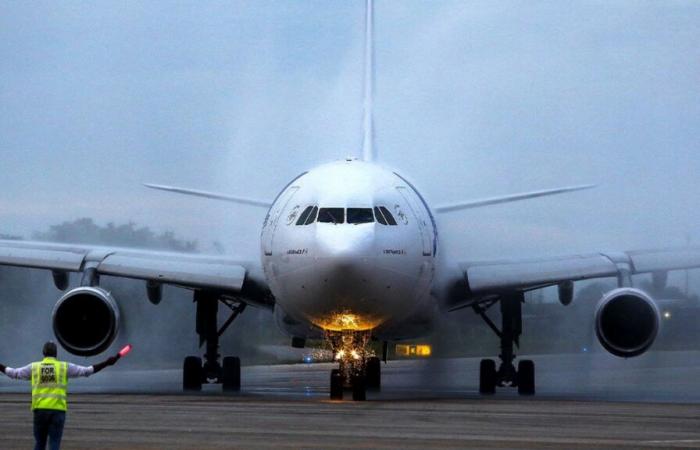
<point x="349" y="254"/>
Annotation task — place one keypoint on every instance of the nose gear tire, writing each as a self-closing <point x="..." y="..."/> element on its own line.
<point x="374" y="373"/>
<point x="336" y="384"/>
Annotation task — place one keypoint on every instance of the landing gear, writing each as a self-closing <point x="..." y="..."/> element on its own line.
<point x="231" y="374"/>
<point x="359" y="387"/>
<point x="336" y="385"/>
<point x="358" y="368"/>
<point x="487" y="377"/>
<point x="374" y="373"/>
<point x="511" y="328"/>
<point x="194" y="373"/>
<point x="526" y="377"/>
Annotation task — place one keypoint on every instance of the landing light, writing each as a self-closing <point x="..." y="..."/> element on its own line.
<point x="667" y="315"/>
<point x="421" y="350"/>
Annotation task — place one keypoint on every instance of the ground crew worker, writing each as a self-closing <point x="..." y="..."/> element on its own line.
<point x="49" y="392"/>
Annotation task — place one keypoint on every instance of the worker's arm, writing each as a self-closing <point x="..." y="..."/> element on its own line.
<point x="23" y="373"/>
<point x="107" y="362"/>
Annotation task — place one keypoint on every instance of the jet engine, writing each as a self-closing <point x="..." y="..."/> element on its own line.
<point x="627" y="322"/>
<point x="86" y="320"/>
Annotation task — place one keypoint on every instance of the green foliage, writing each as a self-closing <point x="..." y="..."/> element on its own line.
<point x="86" y="231"/>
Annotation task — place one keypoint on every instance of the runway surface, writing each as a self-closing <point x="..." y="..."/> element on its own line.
<point x="583" y="401"/>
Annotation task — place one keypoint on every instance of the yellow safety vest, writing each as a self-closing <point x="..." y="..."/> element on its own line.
<point x="50" y="385"/>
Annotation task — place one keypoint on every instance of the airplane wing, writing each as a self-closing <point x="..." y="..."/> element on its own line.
<point x="184" y="270"/>
<point x="483" y="279"/>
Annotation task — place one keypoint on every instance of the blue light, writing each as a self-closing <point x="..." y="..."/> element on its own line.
<point x="308" y="359"/>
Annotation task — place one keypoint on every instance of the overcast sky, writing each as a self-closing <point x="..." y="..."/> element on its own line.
<point x="473" y="99"/>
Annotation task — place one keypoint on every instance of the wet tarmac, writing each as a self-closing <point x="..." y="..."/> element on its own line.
<point x="583" y="401"/>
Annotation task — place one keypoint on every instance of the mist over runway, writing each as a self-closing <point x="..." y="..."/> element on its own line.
<point x="585" y="401"/>
<point x="671" y="377"/>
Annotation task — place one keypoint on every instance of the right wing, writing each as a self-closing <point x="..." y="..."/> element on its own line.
<point x="223" y="275"/>
<point x="483" y="279"/>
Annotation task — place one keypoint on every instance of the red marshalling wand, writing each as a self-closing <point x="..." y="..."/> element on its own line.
<point x="125" y="351"/>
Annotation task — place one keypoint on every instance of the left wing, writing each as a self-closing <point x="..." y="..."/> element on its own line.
<point x="189" y="271"/>
<point x="481" y="279"/>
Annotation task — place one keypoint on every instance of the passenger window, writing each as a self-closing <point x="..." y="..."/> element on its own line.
<point x="331" y="215"/>
<point x="380" y="216"/>
<point x="360" y="215"/>
<point x="305" y="215"/>
<point x="389" y="218"/>
<point x="312" y="217"/>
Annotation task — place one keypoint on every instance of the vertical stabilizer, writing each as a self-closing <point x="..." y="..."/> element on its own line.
<point x="368" y="119"/>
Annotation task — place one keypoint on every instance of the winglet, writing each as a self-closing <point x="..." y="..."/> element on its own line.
<point x="205" y="194"/>
<point x="511" y="198"/>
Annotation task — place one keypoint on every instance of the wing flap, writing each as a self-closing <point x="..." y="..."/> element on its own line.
<point x="190" y="273"/>
<point x="504" y="275"/>
<point x="41" y="258"/>
<point x="492" y="277"/>
<point x="645" y="261"/>
<point x="186" y="270"/>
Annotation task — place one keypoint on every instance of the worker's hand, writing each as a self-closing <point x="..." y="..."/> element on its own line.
<point x="2" y="368"/>
<point x="112" y="360"/>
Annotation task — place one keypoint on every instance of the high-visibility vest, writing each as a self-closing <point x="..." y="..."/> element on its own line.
<point x="50" y="385"/>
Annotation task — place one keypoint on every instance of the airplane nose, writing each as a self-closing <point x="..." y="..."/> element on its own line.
<point x="347" y="242"/>
<point x="345" y="257"/>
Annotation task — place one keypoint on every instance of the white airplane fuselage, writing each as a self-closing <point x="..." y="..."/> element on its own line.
<point x="349" y="245"/>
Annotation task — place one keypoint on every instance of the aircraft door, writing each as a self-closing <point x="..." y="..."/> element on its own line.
<point x="273" y="218"/>
<point x="414" y="205"/>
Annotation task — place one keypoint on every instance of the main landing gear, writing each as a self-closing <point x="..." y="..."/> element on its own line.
<point x="506" y="375"/>
<point x="228" y="374"/>
<point x="358" y="371"/>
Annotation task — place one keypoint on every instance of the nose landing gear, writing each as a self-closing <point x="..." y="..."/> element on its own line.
<point x="358" y="370"/>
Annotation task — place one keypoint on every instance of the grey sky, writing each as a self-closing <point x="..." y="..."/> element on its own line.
<point x="473" y="99"/>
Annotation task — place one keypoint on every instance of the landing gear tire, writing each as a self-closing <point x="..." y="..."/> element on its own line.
<point x="374" y="373"/>
<point x="231" y="374"/>
<point x="192" y="374"/>
<point x="359" y="388"/>
<point x="487" y="377"/>
<point x="526" y="377"/>
<point x="336" y="384"/>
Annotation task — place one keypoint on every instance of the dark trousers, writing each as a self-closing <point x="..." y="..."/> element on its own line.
<point x="48" y="425"/>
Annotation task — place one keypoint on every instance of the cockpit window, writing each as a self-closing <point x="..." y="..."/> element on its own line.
<point x="389" y="218"/>
<point x="304" y="215"/>
<point x="331" y="215"/>
<point x="380" y="216"/>
<point x="308" y="216"/>
<point x="360" y="215"/>
<point x="312" y="217"/>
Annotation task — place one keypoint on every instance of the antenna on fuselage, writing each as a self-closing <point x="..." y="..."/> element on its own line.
<point x="368" y="153"/>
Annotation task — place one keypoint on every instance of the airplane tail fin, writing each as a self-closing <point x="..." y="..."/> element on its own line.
<point x="212" y="195"/>
<point x="510" y="198"/>
<point x="368" y="151"/>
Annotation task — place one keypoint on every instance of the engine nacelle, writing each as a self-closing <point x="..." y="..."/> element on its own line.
<point x="627" y="322"/>
<point x="86" y="320"/>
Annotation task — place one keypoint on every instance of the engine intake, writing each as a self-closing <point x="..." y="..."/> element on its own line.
<point x="627" y="322"/>
<point x="86" y="320"/>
